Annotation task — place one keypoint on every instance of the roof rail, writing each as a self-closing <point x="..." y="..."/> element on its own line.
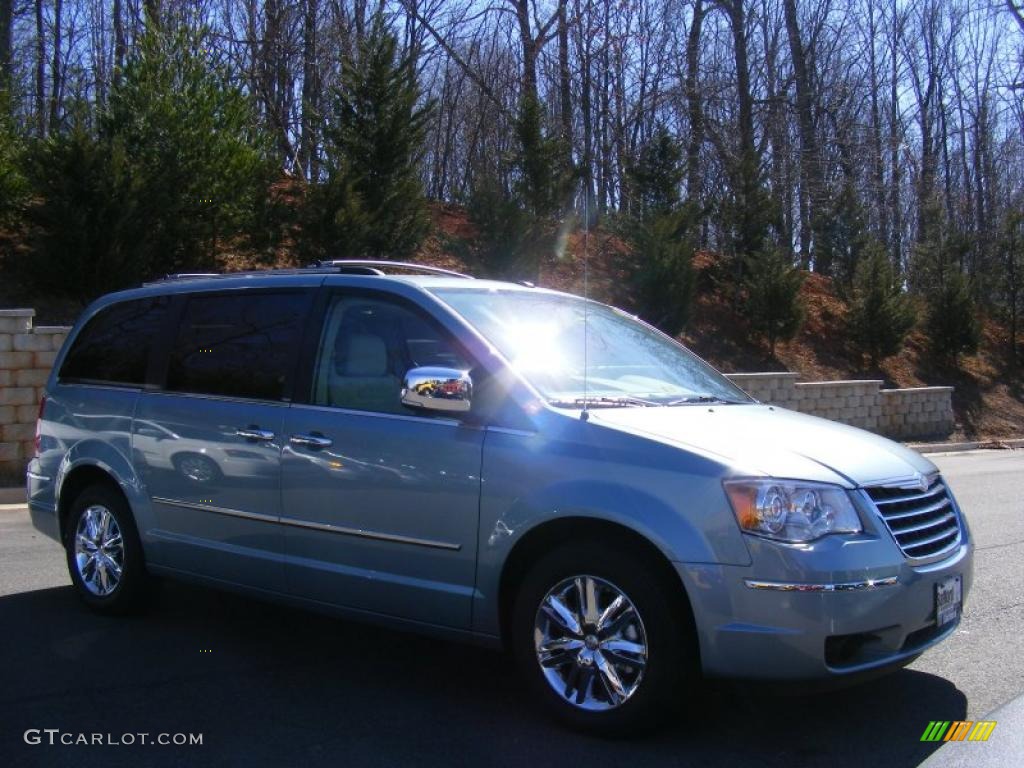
<point x="333" y="266"/>
<point x="378" y="267"/>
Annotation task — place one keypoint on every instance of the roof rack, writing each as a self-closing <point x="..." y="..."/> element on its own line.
<point x="378" y="267"/>
<point x="333" y="266"/>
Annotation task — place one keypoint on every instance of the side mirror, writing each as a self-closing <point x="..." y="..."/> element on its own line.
<point x="447" y="390"/>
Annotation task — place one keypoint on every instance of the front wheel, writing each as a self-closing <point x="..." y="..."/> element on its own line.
<point x="602" y="639"/>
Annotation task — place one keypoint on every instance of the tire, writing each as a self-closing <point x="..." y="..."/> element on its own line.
<point x="197" y="468"/>
<point x="653" y="616"/>
<point x="104" y="553"/>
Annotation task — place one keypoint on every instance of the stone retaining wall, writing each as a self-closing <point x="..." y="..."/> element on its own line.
<point x="27" y="352"/>
<point x="918" y="413"/>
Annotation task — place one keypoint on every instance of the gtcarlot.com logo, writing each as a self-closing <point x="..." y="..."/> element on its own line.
<point x="55" y="736"/>
<point x="958" y="730"/>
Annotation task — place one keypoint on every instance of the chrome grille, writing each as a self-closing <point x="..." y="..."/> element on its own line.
<point x="924" y="523"/>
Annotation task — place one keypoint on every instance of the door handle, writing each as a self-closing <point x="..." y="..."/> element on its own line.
<point x="313" y="441"/>
<point x="255" y="433"/>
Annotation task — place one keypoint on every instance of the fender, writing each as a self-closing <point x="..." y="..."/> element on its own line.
<point x="681" y="536"/>
<point x="104" y="456"/>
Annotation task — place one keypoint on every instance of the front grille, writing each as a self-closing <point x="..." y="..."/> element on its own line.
<point x="924" y="523"/>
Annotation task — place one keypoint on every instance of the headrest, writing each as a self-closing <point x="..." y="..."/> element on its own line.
<point x="366" y="355"/>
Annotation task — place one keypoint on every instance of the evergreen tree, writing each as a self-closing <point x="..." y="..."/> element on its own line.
<point x="13" y="188"/>
<point x="545" y="175"/>
<point x="881" y="314"/>
<point x="1012" y="251"/>
<point x="663" y="280"/>
<point x="952" y="324"/>
<point x="372" y="204"/>
<point x="773" y="305"/>
<point x="174" y="166"/>
<point x="656" y="177"/>
<point x="839" y="236"/>
<point x="951" y="320"/>
<point x="90" y="222"/>
<point x="503" y="226"/>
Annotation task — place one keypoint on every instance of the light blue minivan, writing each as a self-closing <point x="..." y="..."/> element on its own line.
<point x="494" y="462"/>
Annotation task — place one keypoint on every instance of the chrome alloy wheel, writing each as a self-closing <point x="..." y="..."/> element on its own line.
<point x="99" y="550"/>
<point x="590" y="643"/>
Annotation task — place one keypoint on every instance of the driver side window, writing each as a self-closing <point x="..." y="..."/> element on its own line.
<point x="366" y="348"/>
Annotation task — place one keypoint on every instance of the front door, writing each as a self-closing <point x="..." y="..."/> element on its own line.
<point x="380" y="503"/>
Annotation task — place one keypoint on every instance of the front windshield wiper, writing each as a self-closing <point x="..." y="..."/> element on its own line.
<point x="693" y="399"/>
<point x="605" y="402"/>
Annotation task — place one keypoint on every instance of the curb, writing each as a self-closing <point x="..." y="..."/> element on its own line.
<point x="14" y="495"/>
<point x="992" y="445"/>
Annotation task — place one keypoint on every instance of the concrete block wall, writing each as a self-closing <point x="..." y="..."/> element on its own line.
<point x="27" y="353"/>
<point x="917" y="413"/>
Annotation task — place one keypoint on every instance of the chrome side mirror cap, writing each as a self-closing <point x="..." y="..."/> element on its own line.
<point x="447" y="390"/>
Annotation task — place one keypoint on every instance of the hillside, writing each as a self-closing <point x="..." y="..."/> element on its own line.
<point x="989" y="402"/>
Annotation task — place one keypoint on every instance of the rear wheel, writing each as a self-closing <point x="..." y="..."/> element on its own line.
<point x="104" y="553"/>
<point x="602" y="641"/>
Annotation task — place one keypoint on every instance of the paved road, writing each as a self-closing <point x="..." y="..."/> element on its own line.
<point x="281" y="687"/>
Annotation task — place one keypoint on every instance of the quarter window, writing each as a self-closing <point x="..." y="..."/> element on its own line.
<point x="366" y="348"/>
<point x="113" y="347"/>
<point x="239" y="345"/>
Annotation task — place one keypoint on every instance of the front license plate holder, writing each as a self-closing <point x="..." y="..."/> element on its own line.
<point x="948" y="600"/>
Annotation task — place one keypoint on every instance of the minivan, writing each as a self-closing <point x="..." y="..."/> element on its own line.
<point x="492" y="462"/>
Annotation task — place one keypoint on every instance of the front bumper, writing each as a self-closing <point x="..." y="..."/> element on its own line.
<point x="865" y="607"/>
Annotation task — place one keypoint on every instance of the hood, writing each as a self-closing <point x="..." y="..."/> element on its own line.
<point x="766" y="440"/>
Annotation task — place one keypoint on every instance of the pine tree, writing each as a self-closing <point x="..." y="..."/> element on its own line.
<point x="664" y="279"/>
<point x="372" y="204"/>
<point x="660" y="233"/>
<point x="503" y="226"/>
<point x="951" y="321"/>
<point x="881" y="314"/>
<point x="1012" y="251"/>
<point x="773" y="305"/>
<point x="13" y="188"/>
<point x="655" y="179"/>
<point x="174" y="164"/>
<point x="952" y="324"/>
<point x="546" y="178"/>
<point x="839" y="236"/>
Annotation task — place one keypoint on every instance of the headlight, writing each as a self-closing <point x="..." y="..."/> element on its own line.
<point x="790" y="511"/>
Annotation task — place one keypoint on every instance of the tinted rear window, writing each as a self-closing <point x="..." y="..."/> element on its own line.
<point x="240" y="345"/>
<point x="113" y="347"/>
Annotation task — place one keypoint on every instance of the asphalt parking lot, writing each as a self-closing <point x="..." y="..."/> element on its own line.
<point x="267" y="685"/>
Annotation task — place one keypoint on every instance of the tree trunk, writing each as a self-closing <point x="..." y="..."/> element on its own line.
<point x="564" y="90"/>
<point x="877" y="160"/>
<point x="694" y="105"/>
<point x="895" y="141"/>
<point x="585" y="105"/>
<point x="120" y="45"/>
<point x="310" y="93"/>
<point x="810" y="182"/>
<point x="6" y="28"/>
<point x="56" y="74"/>
<point x="40" y="71"/>
<point x="152" y="11"/>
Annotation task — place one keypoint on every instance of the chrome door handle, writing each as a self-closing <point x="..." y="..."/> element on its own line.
<point x="311" y="441"/>
<point x="255" y="433"/>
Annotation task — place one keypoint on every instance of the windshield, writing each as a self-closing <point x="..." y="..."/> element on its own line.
<point x="627" y="363"/>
